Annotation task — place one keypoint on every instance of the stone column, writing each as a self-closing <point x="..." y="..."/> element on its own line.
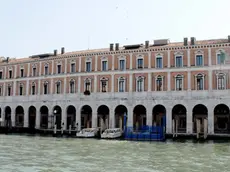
<point x="189" y="80"/>
<point x="169" y="81"/>
<point x="149" y="115"/>
<point x="188" y="54"/>
<point x="96" y="58"/>
<point x="112" y="118"/>
<point x="26" y="118"/>
<point x="131" y="61"/>
<point x="112" y="83"/>
<point x="149" y="60"/>
<point x="130" y="117"/>
<point x="38" y="118"/>
<point x="210" y="119"/>
<point x="113" y="62"/>
<point x="94" y="119"/>
<point x="13" y="117"/>
<point x="64" y="117"/>
<point x="169" y="120"/>
<point x="189" y="121"/>
<point x="210" y="80"/>
<point x="79" y="67"/>
<point x="78" y="118"/>
<point x="169" y="60"/>
<point x="130" y="82"/>
<point x="149" y="82"/>
<point x="209" y="57"/>
<point x="95" y="84"/>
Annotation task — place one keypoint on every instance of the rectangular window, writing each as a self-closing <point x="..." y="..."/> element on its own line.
<point x="159" y="63"/>
<point x="104" y="65"/>
<point x="140" y="85"/>
<point x="45" y="88"/>
<point x="9" y="91"/>
<point x="159" y="84"/>
<point x="46" y="70"/>
<point x="87" y="86"/>
<point x="200" y="85"/>
<point x="73" y="68"/>
<point x="179" y="61"/>
<point x="58" y="88"/>
<point x="199" y="60"/>
<point x="0" y="74"/>
<point x="20" y="90"/>
<point x="88" y="66"/>
<point x="179" y="82"/>
<point x="122" y="64"/>
<point x="121" y="85"/>
<point x="72" y="87"/>
<point x="58" y="69"/>
<point x="140" y="64"/>
<point x="10" y="74"/>
<point x="34" y="71"/>
<point x="22" y="72"/>
<point x="103" y="86"/>
<point x="33" y="89"/>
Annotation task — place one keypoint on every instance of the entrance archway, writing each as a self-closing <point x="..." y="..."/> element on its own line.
<point x="71" y="117"/>
<point x="221" y="119"/>
<point x="32" y="117"/>
<point x="179" y="115"/>
<point x="8" y="122"/>
<point x="159" y="111"/>
<point x="19" y="116"/>
<point x="120" y="112"/>
<point x="139" y="117"/>
<point x="103" y="117"/>
<point x="44" y="114"/>
<point x="199" y="112"/>
<point x="86" y="117"/>
<point x="57" y="112"/>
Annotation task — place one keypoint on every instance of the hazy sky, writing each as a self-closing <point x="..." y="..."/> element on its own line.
<point x="31" y="27"/>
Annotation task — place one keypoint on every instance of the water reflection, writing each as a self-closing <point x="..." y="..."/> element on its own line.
<point x="44" y="154"/>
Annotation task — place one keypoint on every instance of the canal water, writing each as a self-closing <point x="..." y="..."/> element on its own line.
<point x="48" y="154"/>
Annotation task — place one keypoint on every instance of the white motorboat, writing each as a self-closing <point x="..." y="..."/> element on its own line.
<point x="111" y="133"/>
<point x="88" y="132"/>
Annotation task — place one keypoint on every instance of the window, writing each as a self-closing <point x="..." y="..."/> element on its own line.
<point x="159" y="62"/>
<point x="21" y="90"/>
<point x="10" y="74"/>
<point x="72" y="86"/>
<point x="122" y="64"/>
<point x="221" y="58"/>
<point x="34" y="71"/>
<point x="0" y="74"/>
<point x="179" y="82"/>
<point x="46" y="88"/>
<point x="140" y="64"/>
<point x="22" y="73"/>
<point x="159" y="83"/>
<point x="221" y="81"/>
<point x="104" y="65"/>
<point x="179" y="61"/>
<point x="58" y="87"/>
<point x="59" y="69"/>
<point x="104" y="85"/>
<point x="73" y="68"/>
<point x="9" y="90"/>
<point x="121" y="84"/>
<point x="87" y="86"/>
<point x="88" y="66"/>
<point x="140" y="84"/>
<point x="200" y="82"/>
<point x="46" y="70"/>
<point x="199" y="60"/>
<point x="33" y="89"/>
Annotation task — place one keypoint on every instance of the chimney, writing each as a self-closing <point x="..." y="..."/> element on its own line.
<point x="185" y="41"/>
<point x="62" y="50"/>
<point x="193" y="40"/>
<point x="111" y="47"/>
<point x="229" y="38"/>
<point x="146" y="44"/>
<point x="117" y="46"/>
<point x="55" y="52"/>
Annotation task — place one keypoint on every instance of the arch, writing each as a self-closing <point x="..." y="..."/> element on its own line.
<point x="199" y="113"/>
<point x="86" y="117"/>
<point x="71" y="117"/>
<point x="179" y="115"/>
<point x="139" y="117"/>
<point x="19" y="116"/>
<point x="158" y="112"/>
<point x="44" y="114"/>
<point x="57" y="114"/>
<point x="32" y="117"/>
<point x="120" y="113"/>
<point x="8" y="121"/>
<point x="221" y="119"/>
<point x="103" y="117"/>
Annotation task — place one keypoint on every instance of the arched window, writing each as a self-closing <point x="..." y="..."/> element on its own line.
<point x="45" y="87"/>
<point x="140" y="84"/>
<point x="58" y="87"/>
<point x="179" y="82"/>
<point x="33" y="88"/>
<point x="72" y="86"/>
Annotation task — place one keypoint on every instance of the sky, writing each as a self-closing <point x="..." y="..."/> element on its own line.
<point x="30" y="27"/>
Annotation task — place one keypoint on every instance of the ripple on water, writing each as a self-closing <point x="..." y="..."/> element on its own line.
<point x="44" y="154"/>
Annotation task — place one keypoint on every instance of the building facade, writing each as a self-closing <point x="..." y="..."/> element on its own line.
<point x="184" y="81"/>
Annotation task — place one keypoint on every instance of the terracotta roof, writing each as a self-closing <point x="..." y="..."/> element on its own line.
<point x="202" y="42"/>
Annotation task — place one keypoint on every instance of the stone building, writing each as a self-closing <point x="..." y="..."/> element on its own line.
<point x="184" y="80"/>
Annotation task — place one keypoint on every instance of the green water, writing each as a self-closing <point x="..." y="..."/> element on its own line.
<point x="47" y="154"/>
